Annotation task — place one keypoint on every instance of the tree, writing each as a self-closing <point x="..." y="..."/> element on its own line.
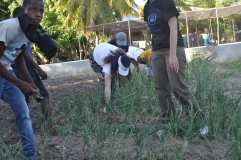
<point x="91" y="12"/>
<point x="4" y="10"/>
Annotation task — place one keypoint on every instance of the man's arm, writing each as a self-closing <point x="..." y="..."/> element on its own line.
<point x="25" y="87"/>
<point x="8" y="76"/>
<point x="173" y="61"/>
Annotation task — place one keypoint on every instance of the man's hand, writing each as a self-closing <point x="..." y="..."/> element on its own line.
<point x="27" y="88"/>
<point x="173" y="63"/>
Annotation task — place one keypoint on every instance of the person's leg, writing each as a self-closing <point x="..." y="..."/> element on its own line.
<point x="15" y="98"/>
<point x="114" y="84"/>
<point x="178" y="85"/>
<point x="162" y="87"/>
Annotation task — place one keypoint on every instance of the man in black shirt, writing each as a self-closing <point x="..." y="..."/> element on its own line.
<point x="168" y="55"/>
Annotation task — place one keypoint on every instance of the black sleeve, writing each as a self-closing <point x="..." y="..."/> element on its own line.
<point x="170" y="10"/>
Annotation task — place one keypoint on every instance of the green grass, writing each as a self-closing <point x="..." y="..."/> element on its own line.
<point x="231" y="68"/>
<point x="131" y="128"/>
<point x="235" y="65"/>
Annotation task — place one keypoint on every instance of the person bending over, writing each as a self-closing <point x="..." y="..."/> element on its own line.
<point x="109" y="62"/>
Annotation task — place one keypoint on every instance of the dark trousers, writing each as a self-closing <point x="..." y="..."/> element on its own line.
<point x="168" y="82"/>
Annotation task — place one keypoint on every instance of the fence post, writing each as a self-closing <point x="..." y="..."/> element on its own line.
<point x="218" y="33"/>
<point x="187" y="28"/>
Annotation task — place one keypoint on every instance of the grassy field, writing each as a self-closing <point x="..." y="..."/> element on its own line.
<point x="131" y="129"/>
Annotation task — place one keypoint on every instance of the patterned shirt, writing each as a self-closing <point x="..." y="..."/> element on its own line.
<point x="13" y="38"/>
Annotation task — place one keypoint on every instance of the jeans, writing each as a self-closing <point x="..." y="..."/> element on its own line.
<point x="15" y="98"/>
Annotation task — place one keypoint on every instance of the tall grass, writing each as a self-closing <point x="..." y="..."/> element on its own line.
<point x="131" y="128"/>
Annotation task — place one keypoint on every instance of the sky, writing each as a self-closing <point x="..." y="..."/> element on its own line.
<point x="140" y="2"/>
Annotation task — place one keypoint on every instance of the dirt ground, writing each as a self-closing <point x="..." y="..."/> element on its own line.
<point x="73" y="146"/>
<point x="58" y="89"/>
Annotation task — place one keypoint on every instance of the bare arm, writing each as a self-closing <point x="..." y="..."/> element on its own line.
<point x="107" y="88"/>
<point x="8" y="76"/>
<point x="173" y="35"/>
<point x="173" y="61"/>
<point x="25" y="87"/>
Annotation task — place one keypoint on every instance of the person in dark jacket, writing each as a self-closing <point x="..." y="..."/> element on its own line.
<point x="168" y="56"/>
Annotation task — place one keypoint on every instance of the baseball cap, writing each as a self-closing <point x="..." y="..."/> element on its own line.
<point x="121" y="39"/>
<point x="124" y="65"/>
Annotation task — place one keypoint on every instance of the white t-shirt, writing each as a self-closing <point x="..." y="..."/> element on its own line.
<point x="134" y="52"/>
<point x="13" y="37"/>
<point x="101" y="51"/>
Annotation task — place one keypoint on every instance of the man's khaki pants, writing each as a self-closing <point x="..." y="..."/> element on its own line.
<point x="168" y="82"/>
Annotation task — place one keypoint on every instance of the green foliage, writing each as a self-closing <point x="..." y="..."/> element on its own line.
<point x="131" y="128"/>
<point x="83" y="13"/>
<point x="4" y="11"/>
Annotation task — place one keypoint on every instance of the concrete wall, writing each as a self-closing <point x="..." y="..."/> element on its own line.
<point x="68" y="69"/>
<point x="226" y="52"/>
<point x="222" y="53"/>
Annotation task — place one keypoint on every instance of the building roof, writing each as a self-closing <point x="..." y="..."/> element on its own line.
<point x="118" y="26"/>
<point x="139" y="24"/>
<point x="211" y="13"/>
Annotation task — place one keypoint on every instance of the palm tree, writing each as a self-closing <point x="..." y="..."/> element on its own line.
<point x="183" y="4"/>
<point x="4" y="11"/>
<point x="91" y="12"/>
